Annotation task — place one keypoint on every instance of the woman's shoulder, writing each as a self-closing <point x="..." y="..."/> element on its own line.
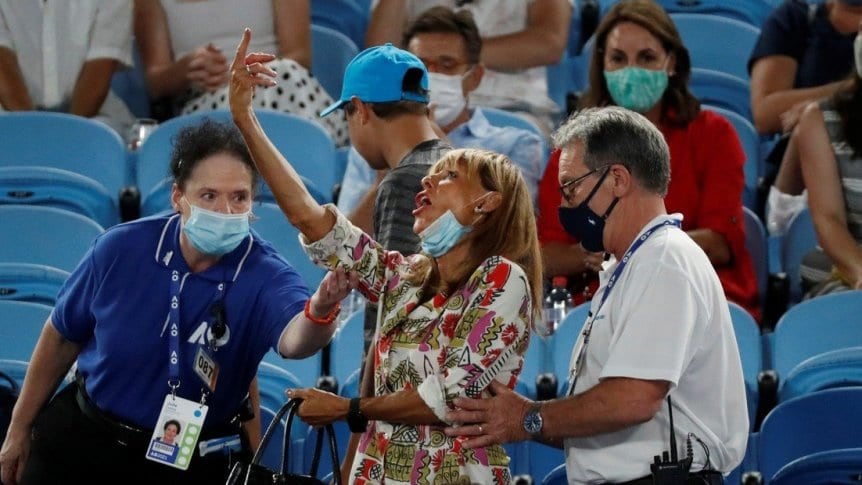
<point x="498" y="271"/>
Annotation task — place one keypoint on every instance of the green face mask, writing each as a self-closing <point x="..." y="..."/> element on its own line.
<point x="636" y="88"/>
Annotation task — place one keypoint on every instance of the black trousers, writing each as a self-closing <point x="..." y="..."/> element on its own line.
<point x="70" y="447"/>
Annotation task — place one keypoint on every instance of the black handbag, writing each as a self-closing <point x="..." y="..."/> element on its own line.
<point x="256" y="474"/>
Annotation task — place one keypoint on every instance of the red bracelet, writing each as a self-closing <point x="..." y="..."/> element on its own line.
<point x="327" y="319"/>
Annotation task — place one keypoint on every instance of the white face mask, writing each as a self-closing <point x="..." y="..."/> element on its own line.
<point x="857" y="50"/>
<point x="447" y="96"/>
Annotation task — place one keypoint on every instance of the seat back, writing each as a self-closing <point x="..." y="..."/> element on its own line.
<point x="565" y="339"/>
<point x="750" y="353"/>
<point x="699" y="33"/>
<point x="58" y="140"/>
<point x="34" y="283"/>
<point x="799" y="239"/>
<point x="130" y="85"/>
<point x="825" y="323"/>
<point x="825" y="467"/>
<point x="345" y="16"/>
<point x="557" y="476"/>
<point x="273" y="226"/>
<point x="716" y="88"/>
<point x="750" y="141"/>
<point x="499" y="117"/>
<point x="331" y="52"/>
<point x="347" y="347"/>
<point x="756" y="243"/>
<point x="837" y="368"/>
<point x="305" y="144"/>
<point x="752" y="12"/>
<point x="825" y="420"/>
<point x="45" y="235"/>
<point x="20" y="326"/>
<point x="54" y="187"/>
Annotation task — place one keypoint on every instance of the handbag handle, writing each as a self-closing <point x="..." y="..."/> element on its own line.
<point x="290" y="408"/>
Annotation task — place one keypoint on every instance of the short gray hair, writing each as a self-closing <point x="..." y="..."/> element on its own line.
<point x="614" y="135"/>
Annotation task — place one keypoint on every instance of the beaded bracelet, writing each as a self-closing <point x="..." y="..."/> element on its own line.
<point x="326" y="319"/>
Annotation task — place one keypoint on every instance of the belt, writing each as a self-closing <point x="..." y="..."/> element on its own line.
<point x="698" y="478"/>
<point x="124" y="433"/>
<point x="127" y="434"/>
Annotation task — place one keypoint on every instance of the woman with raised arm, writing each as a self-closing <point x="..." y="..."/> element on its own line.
<point x="453" y="319"/>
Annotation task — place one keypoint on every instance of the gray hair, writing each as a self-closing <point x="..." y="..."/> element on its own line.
<point x="614" y="135"/>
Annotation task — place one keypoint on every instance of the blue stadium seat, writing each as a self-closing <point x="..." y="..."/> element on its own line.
<point x="45" y="235"/>
<point x="342" y="437"/>
<point x="331" y="52"/>
<point x="306" y="371"/>
<point x="543" y="459"/>
<point x="700" y="32"/>
<point x="273" y="226"/>
<point x="822" y="421"/>
<point x="347" y="347"/>
<point x="349" y="387"/>
<point x="750" y="352"/>
<point x="799" y="239"/>
<point x="20" y="326"/>
<point x="34" y="283"/>
<point x="722" y="90"/>
<point x="565" y="338"/>
<point x="304" y="143"/>
<point x="561" y="81"/>
<point x="830" y="467"/>
<point x="836" y="368"/>
<point x="752" y="12"/>
<point x="58" y="140"/>
<point x="272" y="454"/>
<point x="130" y="85"/>
<point x="344" y="16"/>
<point x="557" y="476"/>
<point x="756" y="244"/>
<point x="272" y="381"/>
<point x="54" y="187"/>
<point x="816" y="326"/>
<point x="750" y="141"/>
<point x="16" y="369"/>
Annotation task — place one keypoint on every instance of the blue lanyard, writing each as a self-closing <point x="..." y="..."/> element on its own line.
<point x="618" y="271"/>
<point x="174" y="329"/>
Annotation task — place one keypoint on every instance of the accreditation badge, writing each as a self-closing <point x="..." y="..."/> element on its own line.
<point x="206" y="368"/>
<point x="177" y="432"/>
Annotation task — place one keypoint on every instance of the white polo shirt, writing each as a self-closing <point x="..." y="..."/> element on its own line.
<point x="665" y="319"/>
<point x="54" y="38"/>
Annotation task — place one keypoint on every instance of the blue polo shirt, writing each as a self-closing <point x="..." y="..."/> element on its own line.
<point x="116" y="302"/>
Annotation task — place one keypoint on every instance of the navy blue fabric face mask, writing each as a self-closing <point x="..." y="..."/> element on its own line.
<point x="584" y="224"/>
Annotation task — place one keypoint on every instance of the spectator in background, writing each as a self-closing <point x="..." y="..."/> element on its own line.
<point x="803" y="54"/>
<point x="183" y="47"/>
<point x="60" y="56"/>
<point x="520" y="37"/>
<point x="449" y="45"/>
<point x="829" y="143"/>
<point x="640" y="63"/>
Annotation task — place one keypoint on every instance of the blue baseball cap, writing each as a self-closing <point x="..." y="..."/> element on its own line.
<point x="376" y="75"/>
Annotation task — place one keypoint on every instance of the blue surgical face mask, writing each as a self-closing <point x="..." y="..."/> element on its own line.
<point x="636" y="88"/>
<point x="214" y="233"/>
<point x="584" y="224"/>
<point x="443" y="234"/>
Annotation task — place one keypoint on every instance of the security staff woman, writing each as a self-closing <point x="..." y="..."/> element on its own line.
<point x="231" y="296"/>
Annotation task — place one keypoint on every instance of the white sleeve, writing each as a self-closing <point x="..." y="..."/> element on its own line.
<point x="660" y="329"/>
<point x="111" y="32"/>
<point x="5" y="35"/>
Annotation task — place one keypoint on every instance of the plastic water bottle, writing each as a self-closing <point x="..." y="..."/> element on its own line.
<point x="557" y="305"/>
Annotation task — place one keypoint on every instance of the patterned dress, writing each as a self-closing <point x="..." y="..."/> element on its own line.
<point x="442" y="346"/>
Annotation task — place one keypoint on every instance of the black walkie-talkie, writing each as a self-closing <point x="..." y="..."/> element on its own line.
<point x="219" y="327"/>
<point x="669" y="469"/>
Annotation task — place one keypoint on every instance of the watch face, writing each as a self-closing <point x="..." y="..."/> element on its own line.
<point x="533" y="421"/>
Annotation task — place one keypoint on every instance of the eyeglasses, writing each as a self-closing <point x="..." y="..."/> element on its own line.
<point x="570" y="189"/>
<point x="446" y="65"/>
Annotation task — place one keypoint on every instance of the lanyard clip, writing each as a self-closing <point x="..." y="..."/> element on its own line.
<point x="174" y="384"/>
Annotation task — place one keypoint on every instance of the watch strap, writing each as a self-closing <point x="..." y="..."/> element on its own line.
<point x="356" y="419"/>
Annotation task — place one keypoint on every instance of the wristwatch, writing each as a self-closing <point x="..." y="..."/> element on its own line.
<point x="533" y="421"/>
<point x="356" y="420"/>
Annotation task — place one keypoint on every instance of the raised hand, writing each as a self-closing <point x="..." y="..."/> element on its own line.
<point x="336" y="285"/>
<point x="246" y="72"/>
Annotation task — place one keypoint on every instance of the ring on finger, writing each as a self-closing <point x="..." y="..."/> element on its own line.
<point x="480" y="429"/>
